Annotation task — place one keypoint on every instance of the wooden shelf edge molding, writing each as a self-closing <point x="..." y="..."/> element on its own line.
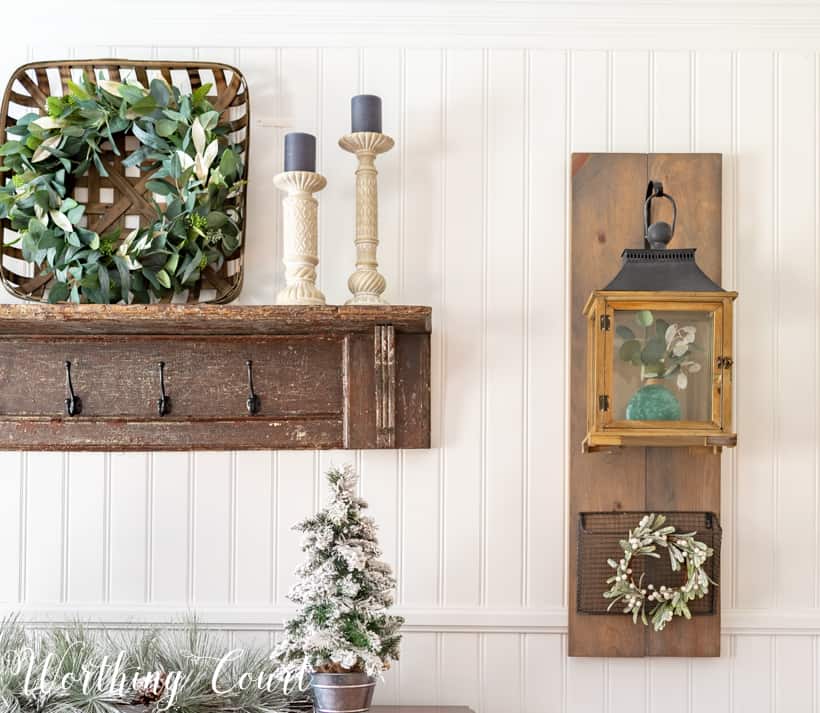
<point x="207" y="377"/>
<point x="208" y="319"/>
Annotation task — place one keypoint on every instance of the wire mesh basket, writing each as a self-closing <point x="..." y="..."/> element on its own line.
<point x="121" y="198"/>
<point x="599" y="536"/>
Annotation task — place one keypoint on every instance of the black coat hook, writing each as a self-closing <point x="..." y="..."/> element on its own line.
<point x="73" y="405"/>
<point x="254" y="403"/>
<point x="163" y="403"/>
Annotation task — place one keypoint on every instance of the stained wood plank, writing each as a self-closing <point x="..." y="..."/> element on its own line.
<point x="680" y="478"/>
<point x="606" y="218"/>
<point x="91" y="434"/>
<point x="207" y="319"/>
<point x="607" y="195"/>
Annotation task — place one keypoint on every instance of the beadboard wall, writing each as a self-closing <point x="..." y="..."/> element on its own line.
<point x="486" y="101"/>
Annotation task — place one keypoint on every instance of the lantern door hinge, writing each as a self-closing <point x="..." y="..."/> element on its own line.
<point x="606" y="322"/>
<point x="724" y="362"/>
<point x="603" y="402"/>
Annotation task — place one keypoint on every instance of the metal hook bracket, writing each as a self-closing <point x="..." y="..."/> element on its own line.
<point x="164" y="402"/>
<point x="254" y="403"/>
<point x="73" y="404"/>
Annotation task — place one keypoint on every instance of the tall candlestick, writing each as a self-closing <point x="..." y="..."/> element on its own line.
<point x="366" y="283"/>
<point x="301" y="237"/>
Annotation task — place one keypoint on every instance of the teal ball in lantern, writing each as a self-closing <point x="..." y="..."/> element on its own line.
<point x="653" y="402"/>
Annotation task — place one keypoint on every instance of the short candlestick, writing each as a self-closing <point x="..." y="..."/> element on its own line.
<point x="366" y="283"/>
<point x="301" y="237"/>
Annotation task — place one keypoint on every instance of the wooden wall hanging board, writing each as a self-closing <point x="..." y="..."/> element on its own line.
<point x="325" y="377"/>
<point x="607" y="197"/>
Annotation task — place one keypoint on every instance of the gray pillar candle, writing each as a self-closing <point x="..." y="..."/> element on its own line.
<point x="366" y="113"/>
<point x="300" y="152"/>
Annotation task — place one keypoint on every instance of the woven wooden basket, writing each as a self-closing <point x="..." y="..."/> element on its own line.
<point x="121" y="198"/>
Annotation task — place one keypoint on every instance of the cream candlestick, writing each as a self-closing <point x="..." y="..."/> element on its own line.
<point x="367" y="284"/>
<point x="301" y="237"/>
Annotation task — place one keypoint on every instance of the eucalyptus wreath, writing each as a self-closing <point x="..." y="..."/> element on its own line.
<point x="665" y="602"/>
<point x="196" y="172"/>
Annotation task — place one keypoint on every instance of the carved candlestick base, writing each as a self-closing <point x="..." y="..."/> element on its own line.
<point x="366" y="284"/>
<point x="301" y="237"/>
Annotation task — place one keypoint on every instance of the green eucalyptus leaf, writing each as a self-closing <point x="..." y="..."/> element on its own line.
<point x="160" y="187"/>
<point x="163" y="278"/>
<point x="209" y="120"/>
<point x="653" y="351"/>
<point x="644" y="317"/>
<point x="125" y="277"/>
<point x="75" y="214"/>
<point x="166" y="127"/>
<point x="160" y="92"/>
<point x="200" y="93"/>
<point x="57" y="292"/>
<point x="133" y="95"/>
<point x="629" y="350"/>
<point x="228" y="164"/>
<point x="624" y="332"/>
<point x="216" y="219"/>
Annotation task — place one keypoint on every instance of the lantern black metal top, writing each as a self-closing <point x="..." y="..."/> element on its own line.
<point x="656" y="268"/>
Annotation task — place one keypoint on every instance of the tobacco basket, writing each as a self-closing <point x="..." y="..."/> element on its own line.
<point x="120" y="199"/>
<point x="599" y="535"/>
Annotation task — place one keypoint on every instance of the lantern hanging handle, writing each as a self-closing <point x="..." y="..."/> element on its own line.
<point x="660" y="233"/>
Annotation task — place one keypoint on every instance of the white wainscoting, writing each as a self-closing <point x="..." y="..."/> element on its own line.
<point x="486" y="101"/>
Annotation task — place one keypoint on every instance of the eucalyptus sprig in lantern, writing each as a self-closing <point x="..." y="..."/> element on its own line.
<point x="659" y="349"/>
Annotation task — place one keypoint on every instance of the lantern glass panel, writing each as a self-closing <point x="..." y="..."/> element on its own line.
<point x="662" y="365"/>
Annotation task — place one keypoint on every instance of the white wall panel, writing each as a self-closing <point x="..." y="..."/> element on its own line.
<point x="473" y="207"/>
<point x="127" y="566"/>
<point x="505" y="292"/>
<point x="12" y="529"/>
<point x="171" y="526"/>
<point x="627" y="686"/>
<point x="418" y="675"/>
<point x="672" y="109"/>
<point x="795" y="299"/>
<point x="755" y="328"/>
<point x="711" y="690"/>
<point x="669" y="684"/>
<point x="254" y="528"/>
<point x="631" y="100"/>
<point x="585" y="685"/>
<point x="213" y="527"/>
<point x="421" y="282"/>
<point x="460" y="670"/>
<point x="463" y="338"/>
<point x="752" y="674"/>
<point x="590" y="101"/>
<point x="545" y="169"/>
<point x="794" y="669"/>
<point x="85" y="528"/>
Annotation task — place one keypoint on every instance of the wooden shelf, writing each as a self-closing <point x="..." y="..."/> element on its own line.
<point x="208" y="319"/>
<point x="326" y="377"/>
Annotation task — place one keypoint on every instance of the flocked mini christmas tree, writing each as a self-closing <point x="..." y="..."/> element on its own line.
<point x="343" y="593"/>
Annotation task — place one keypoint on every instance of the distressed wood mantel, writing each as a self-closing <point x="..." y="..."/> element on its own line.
<point x="324" y="377"/>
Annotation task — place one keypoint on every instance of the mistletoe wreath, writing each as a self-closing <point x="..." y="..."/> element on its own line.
<point x="195" y="180"/>
<point x="666" y="602"/>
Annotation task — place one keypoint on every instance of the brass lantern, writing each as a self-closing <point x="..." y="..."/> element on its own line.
<point x="659" y="349"/>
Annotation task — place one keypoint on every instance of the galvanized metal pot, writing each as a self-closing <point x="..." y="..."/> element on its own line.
<point x="342" y="692"/>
